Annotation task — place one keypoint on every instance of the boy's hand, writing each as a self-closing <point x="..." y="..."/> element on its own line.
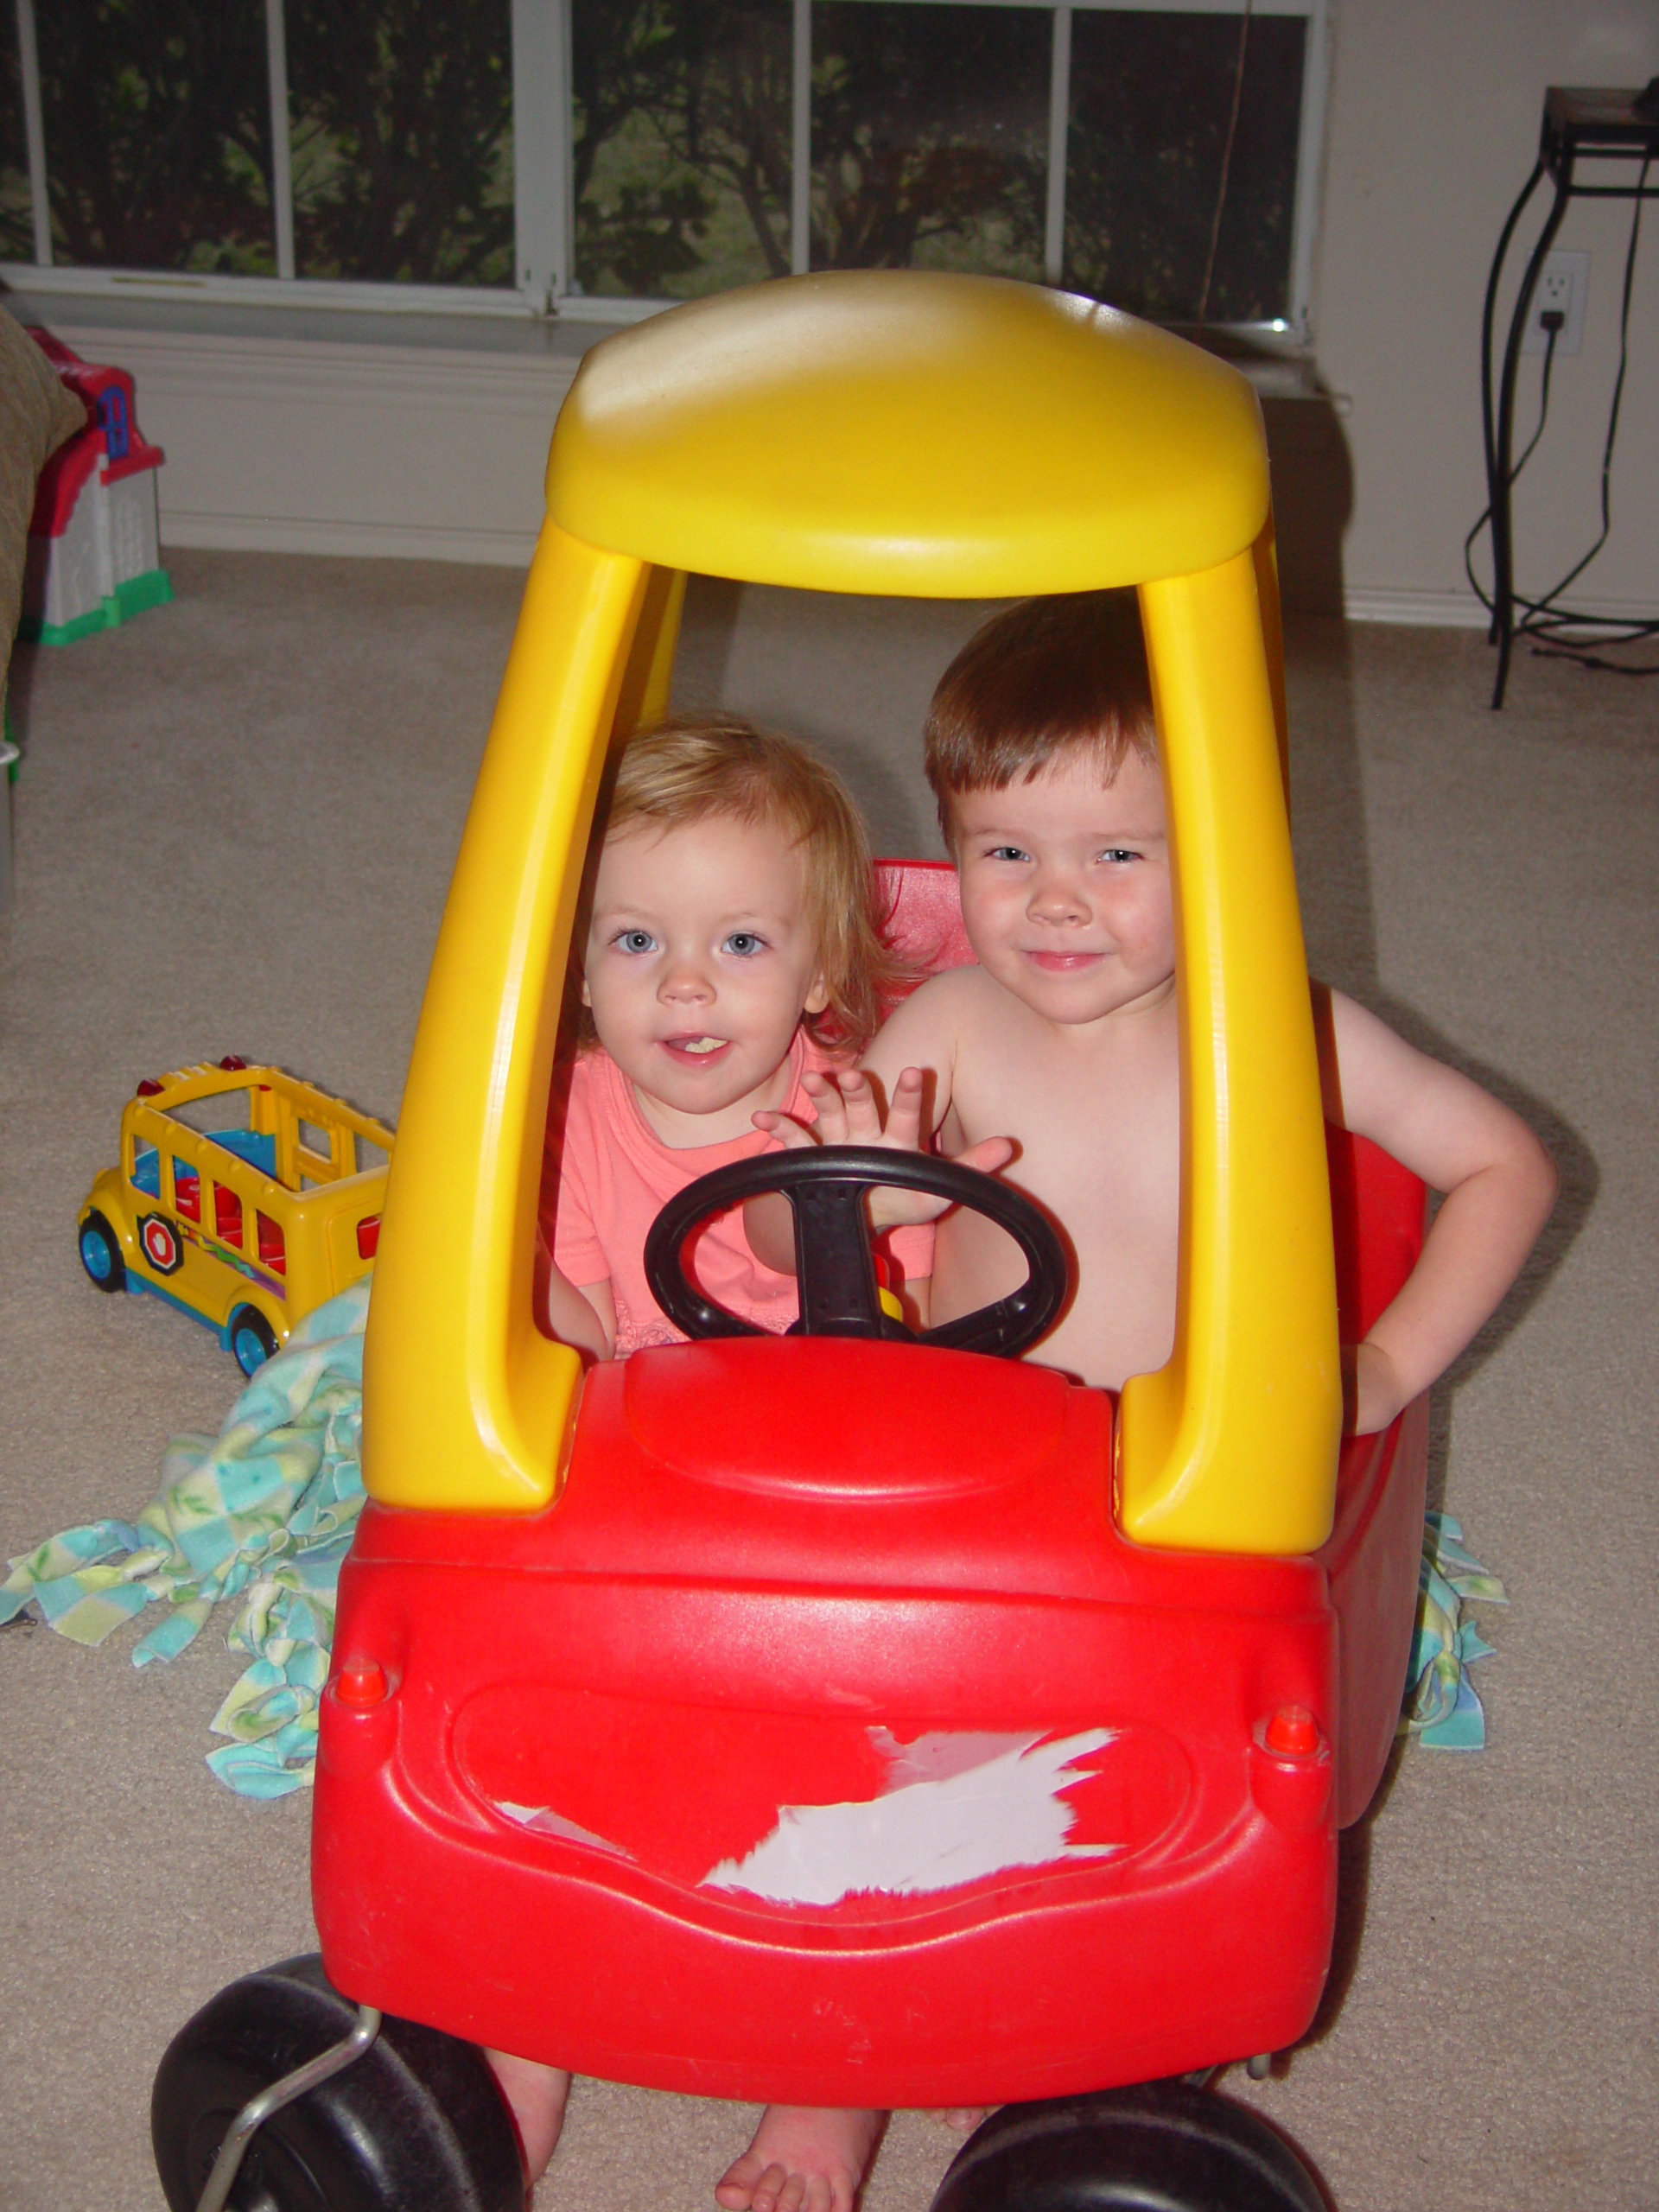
<point x="1373" y="1393"/>
<point x="849" y="1112"/>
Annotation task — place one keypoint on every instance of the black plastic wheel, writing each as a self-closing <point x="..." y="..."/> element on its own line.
<point x="1165" y="2146"/>
<point x="100" y="1253"/>
<point x="253" y="1341"/>
<point x="416" y="2124"/>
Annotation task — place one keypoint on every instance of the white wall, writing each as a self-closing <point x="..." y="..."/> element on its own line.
<point x="1433" y="125"/>
<point x="1433" y="128"/>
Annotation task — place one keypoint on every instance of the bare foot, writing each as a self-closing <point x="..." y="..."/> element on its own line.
<point x="804" y="2158"/>
<point x="963" y="2118"/>
<point x="535" y="2097"/>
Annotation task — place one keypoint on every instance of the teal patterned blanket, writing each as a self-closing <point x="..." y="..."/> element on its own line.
<point x="262" y="1515"/>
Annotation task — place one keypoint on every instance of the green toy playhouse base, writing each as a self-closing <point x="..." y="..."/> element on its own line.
<point x="153" y="589"/>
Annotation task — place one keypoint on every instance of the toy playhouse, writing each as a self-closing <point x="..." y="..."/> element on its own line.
<point x="94" y="555"/>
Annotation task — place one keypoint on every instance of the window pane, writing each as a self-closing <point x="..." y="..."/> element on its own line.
<point x="929" y="136"/>
<point x="157" y="121"/>
<point x="17" y="213"/>
<point x="1151" y="96"/>
<point x="402" y="140"/>
<point x="681" y="144"/>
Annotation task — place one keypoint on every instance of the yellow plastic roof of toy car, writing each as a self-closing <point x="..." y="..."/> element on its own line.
<point x="895" y="431"/>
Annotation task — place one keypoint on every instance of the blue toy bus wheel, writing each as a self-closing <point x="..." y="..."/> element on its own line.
<point x="100" y="1253"/>
<point x="253" y="1339"/>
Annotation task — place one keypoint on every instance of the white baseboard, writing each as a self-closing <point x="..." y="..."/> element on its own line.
<point x="506" y="549"/>
<point x="1461" y="610"/>
<point x="1437" y="610"/>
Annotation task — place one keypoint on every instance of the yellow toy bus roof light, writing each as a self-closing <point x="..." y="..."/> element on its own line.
<point x="925" y="436"/>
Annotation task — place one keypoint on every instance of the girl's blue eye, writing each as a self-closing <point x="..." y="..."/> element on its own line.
<point x="637" y="941"/>
<point x="1006" y="853"/>
<point x="744" y="942"/>
<point x="1120" y="853"/>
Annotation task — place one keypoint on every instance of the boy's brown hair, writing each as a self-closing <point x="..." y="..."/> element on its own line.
<point x="1045" y="678"/>
<point x="695" y="766"/>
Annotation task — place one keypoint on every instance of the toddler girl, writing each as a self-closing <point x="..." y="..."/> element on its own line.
<point x="732" y="948"/>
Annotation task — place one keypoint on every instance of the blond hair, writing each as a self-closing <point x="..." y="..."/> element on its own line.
<point x="1044" y="679"/>
<point x="695" y="766"/>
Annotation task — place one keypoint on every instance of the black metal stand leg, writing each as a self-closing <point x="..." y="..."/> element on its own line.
<point x="1488" y="412"/>
<point x="1502" y="543"/>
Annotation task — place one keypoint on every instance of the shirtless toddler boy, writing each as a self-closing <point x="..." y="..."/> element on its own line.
<point x="1062" y="1042"/>
<point x="1041" y="751"/>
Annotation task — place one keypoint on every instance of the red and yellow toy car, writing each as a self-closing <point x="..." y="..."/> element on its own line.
<point x="978" y="1739"/>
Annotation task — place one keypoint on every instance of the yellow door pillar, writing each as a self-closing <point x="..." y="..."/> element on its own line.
<point x="465" y="1403"/>
<point x="1232" y="1446"/>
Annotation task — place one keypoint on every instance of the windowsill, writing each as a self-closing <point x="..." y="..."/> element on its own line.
<point x="1277" y="365"/>
<point x="521" y="335"/>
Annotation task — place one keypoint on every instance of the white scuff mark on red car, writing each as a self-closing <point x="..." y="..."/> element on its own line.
<point x="938" y="1825"/>
<point x="545" y="1822"/>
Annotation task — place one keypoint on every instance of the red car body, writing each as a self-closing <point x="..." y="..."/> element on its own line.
<point x="825" y="1741"/>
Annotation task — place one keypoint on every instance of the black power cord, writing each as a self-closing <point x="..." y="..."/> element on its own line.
<point x="1556" y="633"/>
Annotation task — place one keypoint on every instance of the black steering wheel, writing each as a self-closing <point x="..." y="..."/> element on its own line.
<point x="825" y="1188"/>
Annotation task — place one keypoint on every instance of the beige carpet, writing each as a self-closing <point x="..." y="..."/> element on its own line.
<point x="233" y="833"/>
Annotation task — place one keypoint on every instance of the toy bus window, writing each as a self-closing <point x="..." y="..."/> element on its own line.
<point x="219" y="1112"/>
<point x="273" y="1251"/>
<point x="370" y="1156"/>
<point x="227" y="1117"/>
<point x="227" y="1216"/>
<point x="368" y="1236"/>
<point x="314" y="1154"/>
<point x="146" y="1168"/>
<point x="187" y="1190"/>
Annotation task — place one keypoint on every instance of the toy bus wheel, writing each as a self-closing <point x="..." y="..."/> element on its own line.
<point x="1165" y="2145"/>
<point x="100" y="1253"/>
<point x="417" y="2120"/>
<point x="253" y="1341"/>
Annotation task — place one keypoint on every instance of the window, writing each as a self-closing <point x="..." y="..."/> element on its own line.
<point x="227" y="1216"/>
<point x="400" y="140"/>
<point x="273" y="1249"/>
<point x="187" y="1190"/>
<point x="146" y="1168"/>
<point x="601" y="156"/>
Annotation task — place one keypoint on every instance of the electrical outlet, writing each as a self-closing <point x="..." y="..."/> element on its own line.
<point x="1563" y="284"/>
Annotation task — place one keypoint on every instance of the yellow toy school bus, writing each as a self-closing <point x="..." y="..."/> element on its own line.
<point x="243" y="1196"/>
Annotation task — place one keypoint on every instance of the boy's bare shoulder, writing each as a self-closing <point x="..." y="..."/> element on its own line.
<point x="954" y="985"/>
<point x="926" y="1029"/>
<point x="954" y="999"/>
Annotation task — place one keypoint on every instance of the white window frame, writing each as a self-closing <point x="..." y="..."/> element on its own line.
<point x="542" y="209"/>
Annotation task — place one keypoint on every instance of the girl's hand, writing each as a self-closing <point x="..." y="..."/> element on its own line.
<point x="849" y="1112"/>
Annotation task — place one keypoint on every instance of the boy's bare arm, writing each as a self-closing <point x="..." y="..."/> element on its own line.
<point x="1498" y="1183"/>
